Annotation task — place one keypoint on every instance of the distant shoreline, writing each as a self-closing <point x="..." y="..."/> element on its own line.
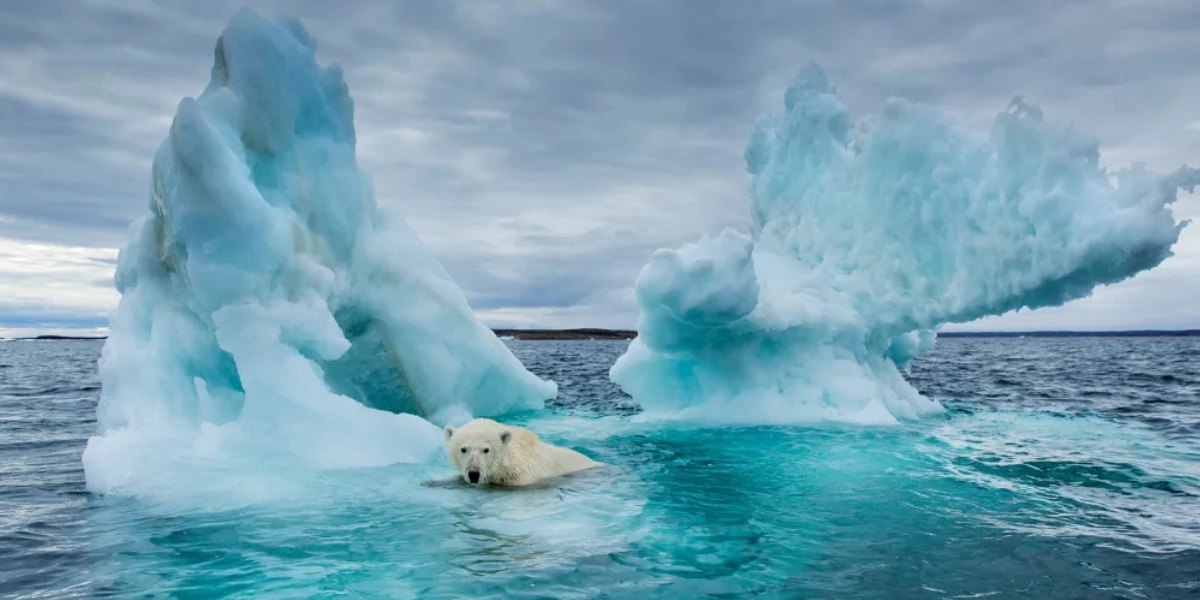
<point x="591" y="333"/>
<point x="50" y="337"/>
<point x="587" y="333"/>
<point x="1127" y="333"/>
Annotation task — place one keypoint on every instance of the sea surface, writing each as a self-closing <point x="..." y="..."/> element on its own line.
<point x="1063" y="468"/>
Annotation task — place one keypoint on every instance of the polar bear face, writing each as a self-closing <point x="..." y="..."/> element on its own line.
<point x="474" y="450"/>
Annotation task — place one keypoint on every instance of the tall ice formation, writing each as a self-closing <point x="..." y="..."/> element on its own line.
<point x="866" y="236"/>
<point x="267" y="308"/>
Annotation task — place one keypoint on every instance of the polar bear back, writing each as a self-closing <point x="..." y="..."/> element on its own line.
<point x="525" y="459"/>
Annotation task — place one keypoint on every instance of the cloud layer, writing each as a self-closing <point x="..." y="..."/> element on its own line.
<point x="545" y="149"/>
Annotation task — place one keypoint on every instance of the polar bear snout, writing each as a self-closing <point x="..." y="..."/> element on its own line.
<point x="473" y="476"/>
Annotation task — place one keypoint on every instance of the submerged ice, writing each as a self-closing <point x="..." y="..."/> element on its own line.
<point x="869" y="234"/>
<point x="269" y="312"/>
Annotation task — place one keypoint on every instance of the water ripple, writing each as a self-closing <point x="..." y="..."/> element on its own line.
<point x="1062" y="468"/>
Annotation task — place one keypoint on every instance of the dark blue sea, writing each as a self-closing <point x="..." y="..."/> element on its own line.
<point x="1063" y="468"/>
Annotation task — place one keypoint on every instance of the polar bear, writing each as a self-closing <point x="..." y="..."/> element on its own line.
<point x="484" y="451"/>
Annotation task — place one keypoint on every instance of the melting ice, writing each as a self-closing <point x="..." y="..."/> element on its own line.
<point x="867" y="235"/>
<point x="268" y="311"/>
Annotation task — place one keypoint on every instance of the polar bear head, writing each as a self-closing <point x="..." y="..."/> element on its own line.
<point x="474" y="449"/>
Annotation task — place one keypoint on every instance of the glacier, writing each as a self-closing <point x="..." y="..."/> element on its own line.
<point x="866" y="236"/>
<point x="270" y="313"/>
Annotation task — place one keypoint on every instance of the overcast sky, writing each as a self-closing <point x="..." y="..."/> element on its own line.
<point x="544" y="149"/>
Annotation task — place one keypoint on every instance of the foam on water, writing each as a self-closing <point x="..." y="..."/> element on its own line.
<point x="868" y="235"/>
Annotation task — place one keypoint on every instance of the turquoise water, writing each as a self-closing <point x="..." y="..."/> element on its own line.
<point x="1064" y="468"/>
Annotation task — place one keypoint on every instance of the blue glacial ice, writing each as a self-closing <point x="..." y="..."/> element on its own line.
<point x="869" y="234"/>
<point x="270" y="313"/>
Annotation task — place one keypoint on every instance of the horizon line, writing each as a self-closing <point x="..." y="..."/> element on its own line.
<point x="605" y="333"/>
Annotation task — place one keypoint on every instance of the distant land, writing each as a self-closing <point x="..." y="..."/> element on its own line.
<point x="590" y="333"/>
<point x="65" y="337"/>
<point x="586" y="333"/>
<point x="1127" y="333"/>
<point x="567" y="334"/>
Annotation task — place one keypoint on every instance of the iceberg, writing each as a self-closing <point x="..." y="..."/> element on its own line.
<point x="270" y="314"/>
<point x="869" y="234"/>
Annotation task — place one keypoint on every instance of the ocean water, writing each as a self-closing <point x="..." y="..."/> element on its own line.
<point x="1063" y="468"/>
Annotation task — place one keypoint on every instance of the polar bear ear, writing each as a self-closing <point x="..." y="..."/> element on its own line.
<point x="449" y="431"/>
<point x="505" y="436"/>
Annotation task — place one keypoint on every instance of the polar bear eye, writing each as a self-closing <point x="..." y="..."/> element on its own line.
<point x="486" y="450"/>
<point x="463" y="450"/>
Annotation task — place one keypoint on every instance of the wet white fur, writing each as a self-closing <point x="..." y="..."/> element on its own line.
<point x="508" y="456"/>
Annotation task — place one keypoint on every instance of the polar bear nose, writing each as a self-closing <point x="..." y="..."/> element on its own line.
<point x="473" y="476"/>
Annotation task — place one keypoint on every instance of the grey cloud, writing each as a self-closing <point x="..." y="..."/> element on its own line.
<point x="544" y="149"/>
<point x="550" y="270"/>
